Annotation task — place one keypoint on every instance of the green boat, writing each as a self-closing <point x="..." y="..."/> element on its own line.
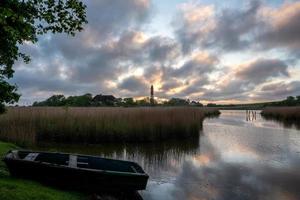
<point x="77" y="172"/>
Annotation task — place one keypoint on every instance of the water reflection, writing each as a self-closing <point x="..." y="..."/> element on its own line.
<point x="233" y="159"/>
<point x="218" y="178"/>
<point x="161" y="161"/>
<point x="238" y="159"/>
<point x="287" y="123"/>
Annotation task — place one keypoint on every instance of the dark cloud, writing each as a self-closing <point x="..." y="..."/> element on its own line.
<point x="109" y="18"/>
<point x="283" y="30"/>
<point x="191" y="75"/>
<point x="162" y="49"/>
<point x="256" y="27"/>
<point x="228" y="30"/>
<point x="135" y="85"/>
<point x="278" y="90"/>
<point x="241" y="83"/>
<point x="233" y="27"/>
<point x="193" y="67"/>
<point x="170" y="84"/>
<point x="43" y="82"/>
<point x="192" y="30"/>
<point x="234" y="89"/>
<point x="193" y="88"/>
<point x="262" y="69"/>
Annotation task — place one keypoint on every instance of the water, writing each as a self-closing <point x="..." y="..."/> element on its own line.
<point x="234" y="158"/>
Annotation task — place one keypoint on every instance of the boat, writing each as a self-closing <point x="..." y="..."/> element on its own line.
<point x="77" y="172"/>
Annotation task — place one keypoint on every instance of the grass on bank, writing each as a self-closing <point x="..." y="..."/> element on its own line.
<point x="287" y="115"/>
<point x="95" y="125"/>
<point x="18" y="189"/>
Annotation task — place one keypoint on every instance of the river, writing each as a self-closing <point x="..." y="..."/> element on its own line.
<point x="235" y="157"/>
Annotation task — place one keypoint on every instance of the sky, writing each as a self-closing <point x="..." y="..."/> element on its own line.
<point x="221" y="51"/>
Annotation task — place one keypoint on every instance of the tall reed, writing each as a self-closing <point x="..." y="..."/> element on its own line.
<point x="96" y="125"/>
<point x="282" y="112"/>
<point x="287" y="115"/>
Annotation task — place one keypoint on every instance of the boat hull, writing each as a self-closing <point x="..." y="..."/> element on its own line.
<point x="76" y="178"/>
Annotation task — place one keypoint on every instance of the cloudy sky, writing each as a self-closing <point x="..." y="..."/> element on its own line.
<point x="209" y="50"/>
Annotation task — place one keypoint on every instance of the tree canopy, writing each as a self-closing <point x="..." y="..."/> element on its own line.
<point x="87" y="100"/>
<point x="24" y="20"/>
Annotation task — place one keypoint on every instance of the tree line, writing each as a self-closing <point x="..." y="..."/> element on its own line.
<point x="87" y="100"/>
<point x="289" y="101"/>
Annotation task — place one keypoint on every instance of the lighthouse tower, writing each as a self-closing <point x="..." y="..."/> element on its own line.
<point x="152" y="95"/>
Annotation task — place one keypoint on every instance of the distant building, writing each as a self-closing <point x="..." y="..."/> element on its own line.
<point x="104" y="98"/>
<point x="152" y="95"/>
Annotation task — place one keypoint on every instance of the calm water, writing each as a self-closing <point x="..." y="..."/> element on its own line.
<point x="234" y="158"/>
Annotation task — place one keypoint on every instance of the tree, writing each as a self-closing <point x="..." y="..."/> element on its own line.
<point x="211" y="105"/>
<point x="24" y="20"/>
<point x="145" y="102"/>
<point x="178" y="102"/>
<point x="290" y="101"/>
<point x="290" y="98"/>
<point x="83" y="100"/>
<point x="129" y="101"/>
<point x="195" y="103"/>
<point x="55" y="100"/>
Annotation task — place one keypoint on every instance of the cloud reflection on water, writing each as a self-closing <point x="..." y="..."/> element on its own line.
<point x="237" y="162"/>
<point x="222" y="180"/>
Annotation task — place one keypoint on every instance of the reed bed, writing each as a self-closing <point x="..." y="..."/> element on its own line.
<point x="28" y="125"/>
<point x="289" y="116"/>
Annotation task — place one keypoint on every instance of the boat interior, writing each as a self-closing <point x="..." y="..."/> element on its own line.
<point x="78" y="161"/>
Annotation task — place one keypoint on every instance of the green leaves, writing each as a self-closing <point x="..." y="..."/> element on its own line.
<point x="22" y="21"/>
<point x="61" y="16"/>
<point x="7" y="94"/>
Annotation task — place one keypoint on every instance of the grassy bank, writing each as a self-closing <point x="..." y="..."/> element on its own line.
<point x="17" y="189"/>
<point x="287" y="115"/>
<point x="96" y="125"/>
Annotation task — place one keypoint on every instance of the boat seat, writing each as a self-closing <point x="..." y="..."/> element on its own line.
<point x="72" y="161"/>
<point x="132" y="167"/>
<point x="31" y="156"/>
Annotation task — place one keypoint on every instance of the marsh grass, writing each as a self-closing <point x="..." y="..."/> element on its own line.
<point x="289" y="116"/>
<point x="28" y="125"/>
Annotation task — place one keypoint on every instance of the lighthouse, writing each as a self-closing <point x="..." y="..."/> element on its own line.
<point x="152" y="95"/>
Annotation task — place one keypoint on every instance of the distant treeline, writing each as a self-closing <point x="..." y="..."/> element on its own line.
<point x="88" y="100"/>
<point x="289" y="101"/>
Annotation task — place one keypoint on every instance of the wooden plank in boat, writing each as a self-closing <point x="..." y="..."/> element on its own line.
<point x="31" y="156"/>
<point x="72" y="161"/>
